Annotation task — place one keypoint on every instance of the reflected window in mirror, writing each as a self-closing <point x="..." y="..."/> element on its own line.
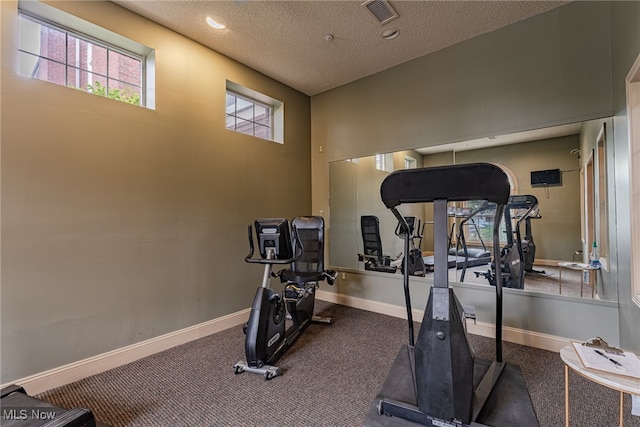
<point x="384" y="162"/>
<point x="410" y="162"/>
<point x="480" y="227"/>
<point x="602" y="205"/>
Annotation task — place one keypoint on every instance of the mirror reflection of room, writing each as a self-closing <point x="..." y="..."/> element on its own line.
<point x="557" y="205"/>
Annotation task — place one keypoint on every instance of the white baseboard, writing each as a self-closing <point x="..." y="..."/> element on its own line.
<point x="509" y="334"/>
<point x="66" y="374"/>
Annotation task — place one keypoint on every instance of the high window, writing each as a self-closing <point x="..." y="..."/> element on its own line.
<point x="480" y="227"/>
<point x="248" y="116"/>
<point x="410" y="162"/>
<point x="253" y="113"/>
<point x="384" y="162"/>
<point x="50" y="49"/>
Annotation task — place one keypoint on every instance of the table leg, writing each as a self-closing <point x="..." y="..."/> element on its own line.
<point x="566" y="395"/>
<point x="621" y="409"/>
<point x="594" y="285"/>
<point x="560" y="280"/>
<point x="581" y="281"/>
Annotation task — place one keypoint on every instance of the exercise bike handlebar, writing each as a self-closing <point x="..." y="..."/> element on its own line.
<point x="297" y="244"/>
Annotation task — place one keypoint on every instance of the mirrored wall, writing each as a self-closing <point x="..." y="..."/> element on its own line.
<point x="559" y="228"/>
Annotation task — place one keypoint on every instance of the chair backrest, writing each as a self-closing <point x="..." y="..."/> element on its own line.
<point x="310" y="230"/>
<point x="370" y="227"/>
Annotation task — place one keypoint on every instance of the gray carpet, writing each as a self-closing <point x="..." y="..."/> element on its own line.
<point x="331" y="376"/>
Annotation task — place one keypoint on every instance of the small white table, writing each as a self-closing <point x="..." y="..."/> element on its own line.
<point x="581" y="267"/>
<point x="621" y="383"/>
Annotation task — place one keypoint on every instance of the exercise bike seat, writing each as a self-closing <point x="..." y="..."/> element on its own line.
<point x="310" y="267"/>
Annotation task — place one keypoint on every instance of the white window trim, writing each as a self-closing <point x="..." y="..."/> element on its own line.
<point x="384" y="162"/>
<point x="513" y="183"/>
<point x="410" y="162"/>
<point x="65" y="21"/>
<point x="277" y="108"/>
<point x="633" y="119"/>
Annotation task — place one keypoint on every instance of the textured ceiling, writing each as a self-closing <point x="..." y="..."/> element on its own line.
<point x="285" y="39"/>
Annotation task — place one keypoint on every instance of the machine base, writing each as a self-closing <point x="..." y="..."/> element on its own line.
<point x="267" y="371"/>
<point x="508" y="404"/>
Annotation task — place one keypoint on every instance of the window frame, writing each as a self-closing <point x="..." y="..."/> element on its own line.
<point x="252" y="119"/>
<point x="276" y="108"/>
<point x="633" y="123"/>
<point x="513" y="183"/>
<point x="410" y="162"/>
<point x="487" y="217"/>
<point x="74" y="26"/>
<point x="602" y="199"/>
<point x="384" y="162"/>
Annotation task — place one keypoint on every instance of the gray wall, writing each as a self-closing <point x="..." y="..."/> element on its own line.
<point x="541" y="313"/>
<point x="551" y="69"/>
<point x="625" y="37"/>
<point x="544" y="71"/>
<point x="119" y="223"/>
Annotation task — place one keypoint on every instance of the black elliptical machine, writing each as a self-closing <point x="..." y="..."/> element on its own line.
<point x="518" y="254"/>
<point x="527" y="247"/>
<point x="436" y="380"/>
<point x="267" y="336"/>
<point x="416" y="261"/>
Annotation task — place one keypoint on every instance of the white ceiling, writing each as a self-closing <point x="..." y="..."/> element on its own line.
<point x="285" y="40"/>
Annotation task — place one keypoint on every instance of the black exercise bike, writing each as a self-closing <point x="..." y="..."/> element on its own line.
<point x="267" y="334"/>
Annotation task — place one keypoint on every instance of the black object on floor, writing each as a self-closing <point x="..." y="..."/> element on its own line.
<point x="20" y="409"/>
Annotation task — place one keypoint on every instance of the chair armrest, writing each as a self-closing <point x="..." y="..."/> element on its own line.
<point x="331" y="276"/>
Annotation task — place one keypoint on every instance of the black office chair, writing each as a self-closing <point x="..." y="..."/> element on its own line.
<point x="374" y="259"/>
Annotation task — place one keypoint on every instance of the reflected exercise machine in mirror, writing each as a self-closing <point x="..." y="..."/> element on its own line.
<point x="557" y="223"/>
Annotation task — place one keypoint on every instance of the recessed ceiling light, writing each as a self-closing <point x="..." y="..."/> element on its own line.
<point x="216" y="23"/>
<point x="390" y="33"/>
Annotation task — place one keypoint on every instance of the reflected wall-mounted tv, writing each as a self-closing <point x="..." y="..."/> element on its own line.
<point x="548" y="178"/>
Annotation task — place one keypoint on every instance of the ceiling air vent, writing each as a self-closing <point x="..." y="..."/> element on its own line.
<point x="381" y="10"/>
